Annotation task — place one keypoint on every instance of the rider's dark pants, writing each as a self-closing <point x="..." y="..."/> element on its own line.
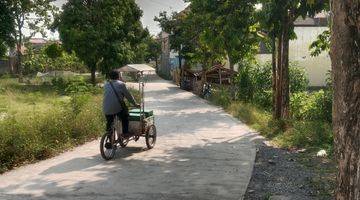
<point x="124" y="116"/>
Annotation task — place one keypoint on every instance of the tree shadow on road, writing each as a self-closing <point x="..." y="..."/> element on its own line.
<point x="214" y="170"/>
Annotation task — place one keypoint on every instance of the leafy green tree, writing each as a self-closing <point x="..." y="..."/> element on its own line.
<point x="153" y="50"/>
<point x="321" y="44"/>
<point x="40" y="60"/>
<point x="188" y="36"/>
<point x="229" y="26"/>
<point x="7" y="27"/>
<point x="35" y="15"/>
<point x="103" y="34"/>
<point x="54" y="51"/>
<point x="277" y="19"/>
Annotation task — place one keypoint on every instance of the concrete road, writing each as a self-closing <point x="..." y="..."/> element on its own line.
<point x="201" y="153"/>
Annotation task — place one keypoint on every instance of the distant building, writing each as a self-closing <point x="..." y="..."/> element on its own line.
<point x="164" y="67"/>
<point x="307" y="31"/>
<point x="9" y="65"/>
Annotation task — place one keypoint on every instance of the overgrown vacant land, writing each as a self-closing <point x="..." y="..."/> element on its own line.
<point x="40" y="119"/>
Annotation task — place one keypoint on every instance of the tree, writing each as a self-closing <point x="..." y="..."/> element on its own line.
<point x="103" y="34"/>
<point x="345" y="54"/>
<point x="50" y="57"/>
<point x="7" y="27"/>
<point x="277" y="18"/>
<point x="35" y="15"/>
<point x="53" y="51"/>
<point x="322" y="43"/>
<point x="153" y="50"/>
<point x="188" y="36"/>
<point x="230" y="26"/>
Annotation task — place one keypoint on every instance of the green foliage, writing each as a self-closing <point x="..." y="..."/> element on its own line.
<point x="221" y="96"/>
<point x="299" y="81"/>
<point x="36" y="122"/>
<point x="312" y="106"/>
<point x="307" y="134"/>
<point x="7" y="27"/>
<point x="254" y="83"/>
<point x="245" y="84"/>
<point x="153" y="49"/>
<point x="40" y="61"/>
<point x="228" y="27"/>
<point x="101" y="33"/>
<point x="78" y="86"/>
<point x="37" y="136"/>
<point x="53" y="51"/>
<point x="321" y="44"/>
<point x="294" y="133"/>
<point x="72" y="86"/>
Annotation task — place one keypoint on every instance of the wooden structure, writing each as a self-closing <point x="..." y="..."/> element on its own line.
<point x="219" y="74"/>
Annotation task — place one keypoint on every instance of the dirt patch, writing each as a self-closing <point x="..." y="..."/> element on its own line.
<point x="283" y="174"/>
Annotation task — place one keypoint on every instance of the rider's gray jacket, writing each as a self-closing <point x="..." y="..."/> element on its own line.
<point x="111" y="105"/>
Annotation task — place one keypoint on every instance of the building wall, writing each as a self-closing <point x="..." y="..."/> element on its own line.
<point x="164" y="68"/>
<point x="316" y="67"/>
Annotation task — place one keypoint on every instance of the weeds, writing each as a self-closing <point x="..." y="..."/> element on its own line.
<point x="37" y="122"/>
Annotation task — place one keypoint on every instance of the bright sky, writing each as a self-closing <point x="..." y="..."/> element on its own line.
<point x="151" y="8"/>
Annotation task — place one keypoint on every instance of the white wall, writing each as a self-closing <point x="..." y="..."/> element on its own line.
<point x="316" y="67"/>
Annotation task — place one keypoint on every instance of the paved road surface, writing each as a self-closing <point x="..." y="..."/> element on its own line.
<point x="201" y="153"/>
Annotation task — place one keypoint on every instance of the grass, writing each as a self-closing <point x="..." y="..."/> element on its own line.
<point x="37" y="121"/>
<point x="291" y="134"/>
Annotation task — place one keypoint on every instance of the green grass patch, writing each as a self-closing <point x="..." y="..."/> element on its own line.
<point x="293" y="133"/>
<point x="38" y="121"/>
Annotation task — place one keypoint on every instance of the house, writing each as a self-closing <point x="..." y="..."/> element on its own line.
<point x="9" y="65"/>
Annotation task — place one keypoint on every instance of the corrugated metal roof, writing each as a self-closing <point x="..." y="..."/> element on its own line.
<point x="136" y="68"/>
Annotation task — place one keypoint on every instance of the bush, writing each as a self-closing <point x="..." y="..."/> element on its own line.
<point x="299" y="81"/>
<point x="40" y="135"/>
<point x="254" y="83"/>
<point x="307" y="134"/>
<point x="312" y="106"/>
<point x="245" y="84"/>
<point x="221" y="96"/>
<point x="72" y="86"/>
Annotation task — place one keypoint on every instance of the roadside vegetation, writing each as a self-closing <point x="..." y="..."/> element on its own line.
<point x="251" y="101"/>
<point x="42" y="118"/>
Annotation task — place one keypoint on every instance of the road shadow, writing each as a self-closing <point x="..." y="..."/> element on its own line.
<point x="215" y="170"/>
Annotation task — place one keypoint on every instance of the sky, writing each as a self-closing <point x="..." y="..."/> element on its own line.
<point x="151" y="8"/>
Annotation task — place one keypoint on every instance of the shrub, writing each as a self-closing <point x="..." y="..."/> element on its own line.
<point x="40" y="135"/>
<point x="254" y="83"/>
<point x="312" y="106"/>
<point x="307" y="134"/>
<point x="72" y="86"/>
<point x="221" y="96"/>
<point x="78" y="86"/>
<point x="298" y="79"/>
<point x="244" y="84"/>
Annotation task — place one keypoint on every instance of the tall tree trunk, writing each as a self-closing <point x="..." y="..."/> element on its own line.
<point x="93" y="75"/>
<point x="285" y="93"/>
<point x="278" y="92"/>
<point x="19" y="63"/>
<point x="273" y="62"/>
<point x="231" y="63"/>
<point x="345" y="54"/>
<point x="19" y="44"/>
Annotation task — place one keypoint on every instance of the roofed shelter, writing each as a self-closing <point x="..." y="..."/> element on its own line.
<point x="134" y="70"/>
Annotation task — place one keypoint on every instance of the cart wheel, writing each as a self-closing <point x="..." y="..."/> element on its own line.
<point x="123" y="142"/>
<point x="108" y="146"/>
<point x="150" y="137"/>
